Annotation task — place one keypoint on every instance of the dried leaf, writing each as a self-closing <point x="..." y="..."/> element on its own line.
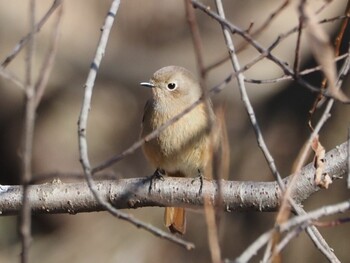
<point x="322" y="179"/>
<point x="323" y="52"/>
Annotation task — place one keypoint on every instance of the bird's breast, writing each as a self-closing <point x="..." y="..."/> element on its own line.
<point x="182" y="146"/>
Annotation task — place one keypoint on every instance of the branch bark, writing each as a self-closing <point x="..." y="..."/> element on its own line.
<point x="58" y="197"/>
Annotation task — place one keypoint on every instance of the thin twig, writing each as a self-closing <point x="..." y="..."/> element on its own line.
<point x="196" y="38"/>
<point x="317" y="238"/>
<point x="245" y="98"/>
<point x="332" y="223"/>
<point x="82" y="130"/>
<point x="6" y="74"/>
<point x="22" y="43"/>
<point x="271" y="17"/>
<point x="289" y="236"/>
<point x="198" y="49"/>
<point x="316" y="214"/>
<point x="281" y="37"/>
<point x="212" y="226"/>
<point x="48" y="63"/>
<point x="27" y="144"/>
<point x="325" y="4"/>
<point x="253" y="248"/>
<point x="297" y="48"/>
<point x="288" y="77"/>
<point x="234" y="29"/>
<point x="283" y="213"/>
<point x="256" y="33"/>
<point x="266" y="52"/>
<point x="297" y="221"/>
<point x="340" y="35"/>
<point x="267" y="253"/>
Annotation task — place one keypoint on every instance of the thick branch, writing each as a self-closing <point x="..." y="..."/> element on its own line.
<point x="58" y="197"/>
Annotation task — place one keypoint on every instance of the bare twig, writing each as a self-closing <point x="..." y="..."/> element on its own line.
<point x="196" y="38"/>
<point x="266" y="52"/>
<point x="298" y="221"/>
<point x="314" y="215"/>
<point x="198" y="49"/>
<point x="289" y="236"/>
<point x="340" y="35"/>
<point x="271" y="17"/>
<point x="256" y="33"/>
<point x="31" y="34"/>
<point x="297" y="48"/>
<point x="245" y="98"/>
<point x="253" y="248"/>
<point x="234" y="29"/>
<point x="332" y="223"/>
<point x="325" y="4"/>
<point x="212" y="226"/>
<point x="280" y="38"/>
<point x="6" y="74"/>
<point x="288" y="77"/>
<point x="47" y="65"/>
<point x="317" y="238"/>
<point x="27" y="144"/>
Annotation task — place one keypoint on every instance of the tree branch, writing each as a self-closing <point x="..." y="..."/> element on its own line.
<point x="58" y="197"/>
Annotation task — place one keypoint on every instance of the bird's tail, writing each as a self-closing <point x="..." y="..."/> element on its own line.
<point x="175" y="219"/>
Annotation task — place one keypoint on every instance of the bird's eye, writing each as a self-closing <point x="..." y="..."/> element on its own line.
<point x="171" y="86"/>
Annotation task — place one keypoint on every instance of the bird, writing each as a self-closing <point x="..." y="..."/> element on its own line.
<point x="183" y="149"/>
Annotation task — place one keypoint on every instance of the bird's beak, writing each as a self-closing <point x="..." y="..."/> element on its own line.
<point x="147" y="84"/>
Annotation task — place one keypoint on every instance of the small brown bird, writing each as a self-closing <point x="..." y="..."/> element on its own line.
<point x="183" y="148"/>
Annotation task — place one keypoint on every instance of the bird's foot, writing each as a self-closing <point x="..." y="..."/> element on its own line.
<point x="200" y="177"/>
<point x="157" y="175"/>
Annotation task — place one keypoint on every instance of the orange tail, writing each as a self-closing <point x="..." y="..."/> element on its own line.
<point x="175" y="219"/>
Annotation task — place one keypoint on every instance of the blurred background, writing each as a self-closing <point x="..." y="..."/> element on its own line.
<point x="146" y="36"/>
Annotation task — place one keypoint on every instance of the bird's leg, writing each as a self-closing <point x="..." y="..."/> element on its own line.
<point x="200" y="177"/>
<point x="157" y="175"/>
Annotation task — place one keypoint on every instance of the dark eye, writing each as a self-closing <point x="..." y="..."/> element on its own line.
<point x="171" y="86"/>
